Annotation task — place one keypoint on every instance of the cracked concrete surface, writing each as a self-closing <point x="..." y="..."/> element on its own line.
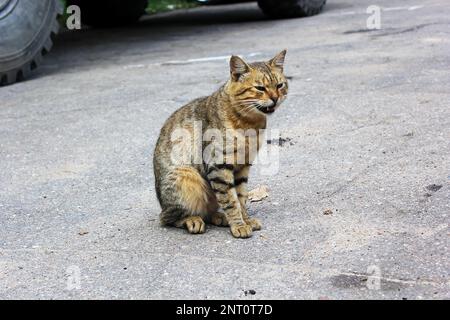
<point x="368" y="122"/>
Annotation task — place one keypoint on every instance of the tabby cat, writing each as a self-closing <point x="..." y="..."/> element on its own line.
<point x="194" y="192"/>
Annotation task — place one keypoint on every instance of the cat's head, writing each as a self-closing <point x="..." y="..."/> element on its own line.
<point x="260" y="86"/>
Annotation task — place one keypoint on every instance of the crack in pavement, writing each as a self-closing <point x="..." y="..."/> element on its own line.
<point x="410" y="29"/>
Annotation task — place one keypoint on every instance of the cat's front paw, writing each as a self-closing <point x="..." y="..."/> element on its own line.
<point x="254" y="223"/>
<point x="241" y="230"/>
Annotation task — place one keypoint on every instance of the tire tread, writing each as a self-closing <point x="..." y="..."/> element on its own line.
<point x="291" y="8"/>
<point x="25" y="70"/>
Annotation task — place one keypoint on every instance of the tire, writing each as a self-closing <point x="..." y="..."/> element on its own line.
<point x="110" y="13"/>
<point x="27" y="27"/>
<point x="291" y="8"/>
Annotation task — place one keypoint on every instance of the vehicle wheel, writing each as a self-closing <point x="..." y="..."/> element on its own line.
<point x="109" y="13"/>
<point x="26" y="28"/>
<point x="291" y="8"/>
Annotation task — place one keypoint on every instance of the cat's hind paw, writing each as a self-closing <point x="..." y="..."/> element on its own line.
<point x="193" y="224"/>
<point x="219" y="219"/>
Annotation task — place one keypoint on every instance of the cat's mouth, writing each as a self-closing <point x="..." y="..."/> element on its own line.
<point x="267" y="110"/>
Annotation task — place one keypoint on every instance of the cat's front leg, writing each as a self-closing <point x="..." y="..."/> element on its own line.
<point x="240" y="182"/>
<point x="221" y="179"/>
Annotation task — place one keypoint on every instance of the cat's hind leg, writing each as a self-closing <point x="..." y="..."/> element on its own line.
<point x="193" y="195"/>
<point x="180" y="218"/>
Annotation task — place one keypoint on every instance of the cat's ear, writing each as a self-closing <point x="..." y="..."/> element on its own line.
<point x="278" y="60"/>
<point x="238" y="67"/>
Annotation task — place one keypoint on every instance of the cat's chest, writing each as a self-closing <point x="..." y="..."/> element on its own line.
<point x="242" y="145"/>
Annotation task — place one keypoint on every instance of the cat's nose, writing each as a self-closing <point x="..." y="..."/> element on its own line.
<point x="274" y="100"/>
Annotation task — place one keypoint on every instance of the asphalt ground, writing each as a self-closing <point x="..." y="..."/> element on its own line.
<point x="358" y="208"/>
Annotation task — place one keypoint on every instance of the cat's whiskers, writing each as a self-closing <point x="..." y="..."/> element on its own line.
<point x="244" y="102"/>
<point x="249" y="109"/>
<point x="247" y="105"/>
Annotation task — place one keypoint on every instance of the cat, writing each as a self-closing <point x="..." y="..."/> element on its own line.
<point x="192" y="192"/>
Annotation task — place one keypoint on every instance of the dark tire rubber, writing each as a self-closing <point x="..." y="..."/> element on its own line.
<point x="110" y="13"/>
<point x="291" y="8"/>
<point x="27" y="27"/>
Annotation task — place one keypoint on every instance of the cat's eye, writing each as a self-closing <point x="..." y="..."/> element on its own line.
<point x="280" y="85"/>
<point x="260" y="88"/>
